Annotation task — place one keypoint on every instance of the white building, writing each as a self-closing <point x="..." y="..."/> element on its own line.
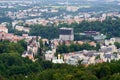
<point x="66" y="34"/>
<point x="49" y="55"/>
<point x="110" y="48"/>
<point x="60" y="61"/>
<point x="22" y="28"/>
<point x="3" y="29"/>
<point x="72" y="8"/>
<point x="111" y="41"/>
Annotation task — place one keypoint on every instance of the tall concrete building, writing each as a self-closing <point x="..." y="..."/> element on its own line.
<point x="66" y="34"/>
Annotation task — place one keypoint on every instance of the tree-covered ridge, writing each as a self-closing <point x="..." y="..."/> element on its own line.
<point x="11" y="47"/>
<point x="45" y="32"/>
<point x="14" y="64"/>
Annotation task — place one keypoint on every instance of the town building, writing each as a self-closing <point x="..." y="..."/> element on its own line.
<point x="66" y="34"/>
<point x="32" y="48"/>
<point x="10" y="37"/>
<point x="110" y="42"/>
<point x="3" y="29"/>
<point x="21" y="28"/>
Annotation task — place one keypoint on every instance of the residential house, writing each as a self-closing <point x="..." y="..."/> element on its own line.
<point x="3" y="29"/>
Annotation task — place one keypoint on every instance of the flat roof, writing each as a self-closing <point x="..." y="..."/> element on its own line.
<point x="66" y="28"/>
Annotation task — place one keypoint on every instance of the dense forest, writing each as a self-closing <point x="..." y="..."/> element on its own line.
<point x="45" y="32"/>
<point x="77" y="47"/>
<point x="11" y="47"/>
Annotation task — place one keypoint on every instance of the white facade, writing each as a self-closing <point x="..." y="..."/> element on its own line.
<point x="60" y="61"/>
<point x="66" y="34"/>
<point x="3" y="29"/>
<point x="66" y="37"/>
<point x="111" y="41"/>
<point x="22" y="28"/>
<point x="72" y="8"/>
<point x="49" y="55"/>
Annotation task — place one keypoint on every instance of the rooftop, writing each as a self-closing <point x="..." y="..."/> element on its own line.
<point x="64" y="28"/>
